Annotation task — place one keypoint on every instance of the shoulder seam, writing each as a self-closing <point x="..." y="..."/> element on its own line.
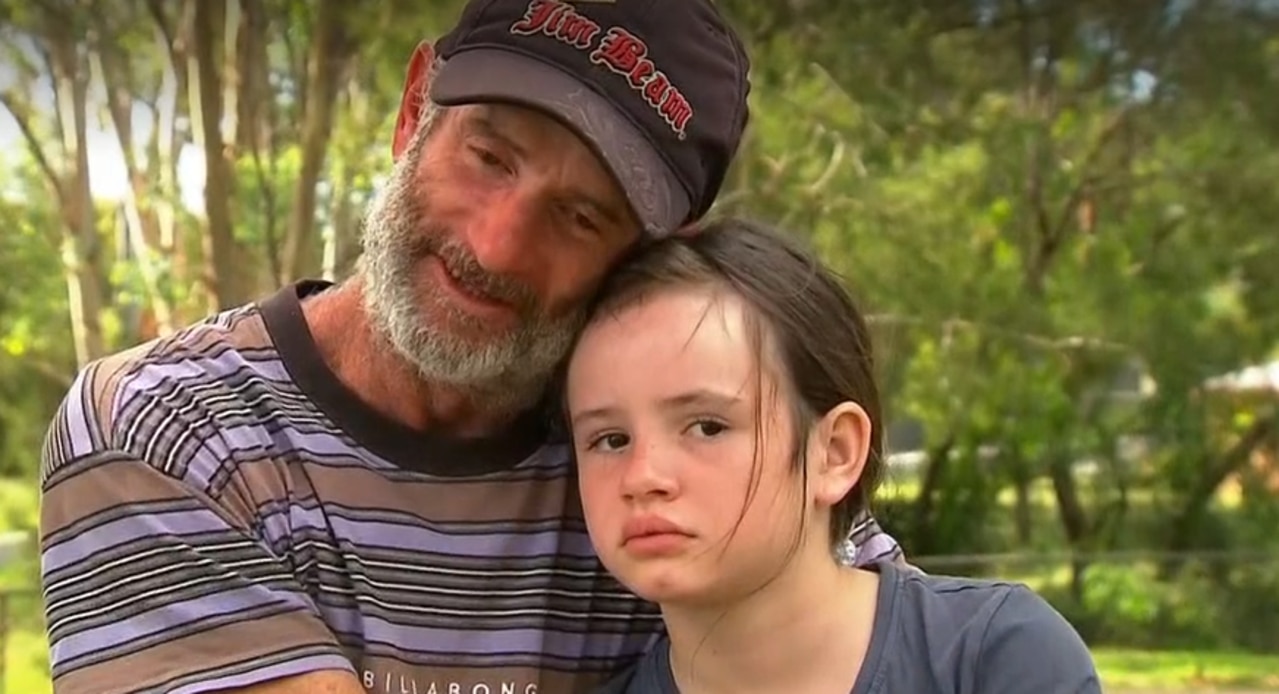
<point x="981" y="645"/>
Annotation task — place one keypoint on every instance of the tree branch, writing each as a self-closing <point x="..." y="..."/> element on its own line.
<point x="156" y="9"/>
<point x="21" y="113"/>
<point x="1086" y="178"/>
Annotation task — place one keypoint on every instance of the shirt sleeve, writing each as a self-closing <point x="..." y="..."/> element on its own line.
<point x="869" y="544"/>
<point x="151" y="583"/>
<point x="1029" y="648"/>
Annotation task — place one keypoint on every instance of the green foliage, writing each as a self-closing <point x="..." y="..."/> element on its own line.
<point x="35" y="357"/>
<point x="1207" y="607"/>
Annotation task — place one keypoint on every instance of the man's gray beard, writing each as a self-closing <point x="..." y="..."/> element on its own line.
<point x="505" y="373"/>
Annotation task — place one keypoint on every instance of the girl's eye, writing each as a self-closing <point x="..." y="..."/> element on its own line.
<point x="708" y="427"/>
<point x="609" y="442"/>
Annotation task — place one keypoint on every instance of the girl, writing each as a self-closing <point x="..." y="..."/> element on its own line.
<point x="727" y="429"/>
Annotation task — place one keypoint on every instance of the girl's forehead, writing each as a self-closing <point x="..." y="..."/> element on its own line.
<point x="689" y="322"/>
<point x="673" y="338"/>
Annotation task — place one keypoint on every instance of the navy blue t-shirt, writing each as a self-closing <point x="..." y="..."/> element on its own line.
<point x="941" y="635"/>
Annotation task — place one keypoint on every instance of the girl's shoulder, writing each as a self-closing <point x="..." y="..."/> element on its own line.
<point x="650" y="675"/>
<point x="998" y="636"/>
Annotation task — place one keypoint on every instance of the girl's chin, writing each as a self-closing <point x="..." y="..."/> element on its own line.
<point x="671" y="585"/>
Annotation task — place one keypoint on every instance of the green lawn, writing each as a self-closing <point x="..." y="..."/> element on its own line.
<point x="24" y="651"/>
<point x="1120" y="669"/>
<point x="26" y="671"/>
<point x="1187" y="670"/>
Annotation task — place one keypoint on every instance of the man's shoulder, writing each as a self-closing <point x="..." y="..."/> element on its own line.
<point x="209" y="358"/>
<point x="121" y="401"/>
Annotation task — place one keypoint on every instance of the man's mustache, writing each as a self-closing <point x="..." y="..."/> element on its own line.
<point x="462" y="265"/>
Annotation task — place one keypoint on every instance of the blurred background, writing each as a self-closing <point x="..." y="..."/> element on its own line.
<point x="1061" y="214"/>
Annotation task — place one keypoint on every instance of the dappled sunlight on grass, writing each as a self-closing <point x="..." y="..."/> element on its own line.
<point x="1186" y="670"/>
<point x="26" y="670"/>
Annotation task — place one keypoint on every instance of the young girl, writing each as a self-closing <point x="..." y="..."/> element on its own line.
<point x="727" y="428"/>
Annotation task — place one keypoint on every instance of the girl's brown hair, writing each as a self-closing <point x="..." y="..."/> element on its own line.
<point x="801" y="314"/>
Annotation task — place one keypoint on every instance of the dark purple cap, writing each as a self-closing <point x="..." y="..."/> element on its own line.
<point x="656" y="87"/>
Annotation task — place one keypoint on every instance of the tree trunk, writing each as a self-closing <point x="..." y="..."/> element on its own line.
<point x="1183" y="526"/>
<point x="256" y="133"/>
<point x="939" y="458"/>
<point x="205" y="94"/>
<point x="141" y="219"/>
<point x="331" y="50"/>
<point x="253" y="70"/>
<point x="173" y="36"/>
<point x="68" y="180"/>
<point x="1074" y="519"/>
<point x="340" y="242"/>
<point x="80" y="244"/>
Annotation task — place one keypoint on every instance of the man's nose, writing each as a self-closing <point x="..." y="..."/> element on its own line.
<point x="503" y="234"/>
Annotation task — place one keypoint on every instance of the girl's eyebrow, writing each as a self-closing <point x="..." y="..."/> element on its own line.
<point x="698" y="397"/>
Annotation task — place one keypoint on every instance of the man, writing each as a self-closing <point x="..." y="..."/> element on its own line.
<point x="354" y="488"/>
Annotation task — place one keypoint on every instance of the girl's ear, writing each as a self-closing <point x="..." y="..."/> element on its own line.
<point x="839" y="444"/>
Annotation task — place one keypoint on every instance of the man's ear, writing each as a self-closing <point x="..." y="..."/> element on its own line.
<point x="839" y="445"/>
<point x="416" y="82"/>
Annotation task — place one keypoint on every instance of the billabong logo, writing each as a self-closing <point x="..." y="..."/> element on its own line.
<point x="619" y="50"/>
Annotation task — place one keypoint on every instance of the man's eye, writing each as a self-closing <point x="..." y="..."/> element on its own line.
<point x="488" y="158"/>
<point x="587" y="223"/>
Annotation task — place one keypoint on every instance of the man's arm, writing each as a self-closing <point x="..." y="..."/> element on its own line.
<point x="152" y="585"/>
<point x="1029" y="648"/>
<point x="320" y="682"/>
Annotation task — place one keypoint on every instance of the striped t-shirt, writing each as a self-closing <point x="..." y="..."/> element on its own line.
<point x="219" y="510"/>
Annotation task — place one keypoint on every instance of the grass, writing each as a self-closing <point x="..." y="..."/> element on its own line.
<point x="24" y="656"/>
<point x="1177" y="671"/>
<point x="26" y="670"/>
<point x="1172" y="671"/>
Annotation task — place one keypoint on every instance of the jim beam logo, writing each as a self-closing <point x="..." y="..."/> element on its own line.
<point x="617" y="49"/>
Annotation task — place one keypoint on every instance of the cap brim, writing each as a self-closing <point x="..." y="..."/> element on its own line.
<point x="491" y="74"/>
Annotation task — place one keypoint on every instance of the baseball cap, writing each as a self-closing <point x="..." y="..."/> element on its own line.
<point x="657" y="88"/>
